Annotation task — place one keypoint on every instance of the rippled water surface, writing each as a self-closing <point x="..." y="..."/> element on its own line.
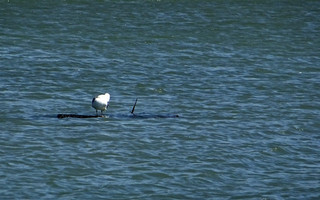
<point x="243" y="76"/>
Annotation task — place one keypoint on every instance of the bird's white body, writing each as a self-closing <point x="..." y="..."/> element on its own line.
<point x="101" y="102"/>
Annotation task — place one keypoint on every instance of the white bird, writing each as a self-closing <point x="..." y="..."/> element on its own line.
<point x="101" y="102"/>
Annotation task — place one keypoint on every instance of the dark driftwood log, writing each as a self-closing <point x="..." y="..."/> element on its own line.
<point x="133" y="115"/>
<point x="60" y="116"/>
<point x="141" y="116"/>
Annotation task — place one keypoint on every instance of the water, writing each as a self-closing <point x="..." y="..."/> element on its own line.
<point x="242" y="75"/>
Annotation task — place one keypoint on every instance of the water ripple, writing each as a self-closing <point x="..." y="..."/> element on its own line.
<point x="243" y="77"/>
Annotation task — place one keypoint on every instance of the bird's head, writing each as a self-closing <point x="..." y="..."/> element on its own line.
<point x="107" y="96"/>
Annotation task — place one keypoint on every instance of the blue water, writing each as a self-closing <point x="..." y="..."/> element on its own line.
<point x="242" y="75"/>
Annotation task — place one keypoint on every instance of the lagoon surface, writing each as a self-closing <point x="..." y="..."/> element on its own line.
<point x="244" y="77"/>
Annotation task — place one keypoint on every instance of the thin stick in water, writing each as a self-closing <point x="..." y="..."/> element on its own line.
<point x="134" y="106"/>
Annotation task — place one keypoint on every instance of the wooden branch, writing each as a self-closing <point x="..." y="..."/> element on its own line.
<point x="60" y="116"/>
<point x="134" y="106"/>
<point x="137" y="116"/>
<point x="143" y="115"/>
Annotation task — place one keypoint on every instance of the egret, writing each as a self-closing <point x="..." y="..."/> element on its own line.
<point x="101" y="102"/>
